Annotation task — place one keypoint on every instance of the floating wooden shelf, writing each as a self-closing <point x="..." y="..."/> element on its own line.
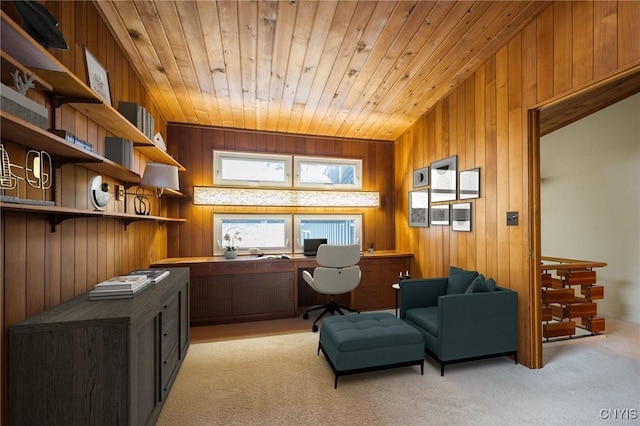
<point x="18" y="130"/>
<point x="68" y="88"/>
<point x="21" y="52"/>
<point x="58" y="214"/>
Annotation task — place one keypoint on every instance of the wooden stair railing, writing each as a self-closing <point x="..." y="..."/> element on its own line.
<point x="561" y="306"/>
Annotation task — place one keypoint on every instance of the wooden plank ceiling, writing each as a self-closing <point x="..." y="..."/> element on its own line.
<point x="355" y="69"/>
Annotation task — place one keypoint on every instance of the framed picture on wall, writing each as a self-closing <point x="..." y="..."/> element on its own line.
<point x="444" y="179"/>
<point x="439" y="215"/>
<point x="469" y="184"/>
<point x="461" y="220"/>
<point x="419" y="209"/>
<point x="97" y="76"/>
<point x="421" y="177"/>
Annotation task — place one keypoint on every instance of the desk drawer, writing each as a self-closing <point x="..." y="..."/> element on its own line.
<point x="169" y="369"/>
<point x="169" y="336"/>
<point x="170" y="322"/>
<point x="232" y="267"/>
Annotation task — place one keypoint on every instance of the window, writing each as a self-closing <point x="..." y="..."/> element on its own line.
<point x="270" y="170"/>
<point x="319" y="172"/>
<point x="268" y="233"/>
<point x="337" y="229"/>
<point x="251" y="169"/>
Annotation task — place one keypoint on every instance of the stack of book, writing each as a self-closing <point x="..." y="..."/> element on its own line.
<point x="127" y="286"/>
<point x="138" y="116"/>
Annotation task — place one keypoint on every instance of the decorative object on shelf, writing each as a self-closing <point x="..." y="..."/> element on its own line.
<point x="230" y="254"/>
<point x="419" y="209"/>
<point x="119" y="150"/>
<point x="470" y="184"/>
<point x="461" y="217"/>
<point x="19" y="105"/>
<point x="99" y="193"/>
<point x="37" y="173"/>
<point x="141" y="203"/>
<point x="444" y="175"/>
<point x="231" y="246"/>
<point x="71" y="138"/>
<point x="159" y="141"/>
<point x="23" y="85"/>
<point x="439" y="215"/>
<point x="40" y="24"/>
<point x="38" y="170"/>
<point x="97" y="76"/>
<point x="8" y="179"/>
<point x="421" y="177"/>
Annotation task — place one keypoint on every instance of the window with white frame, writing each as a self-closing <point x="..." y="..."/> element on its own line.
<point x="336" y="228"/>
<point x="251" y="169"/>
<point x="324" y="172"/>
<point x="269" y="233"/>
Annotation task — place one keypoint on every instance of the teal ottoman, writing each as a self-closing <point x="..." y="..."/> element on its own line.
<point x="366" y="342"/>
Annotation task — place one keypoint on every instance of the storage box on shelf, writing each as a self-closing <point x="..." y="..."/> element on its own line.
<point x="17" y="104"/>
<point x="21" y="51"/>
<point x="561" y="305"/>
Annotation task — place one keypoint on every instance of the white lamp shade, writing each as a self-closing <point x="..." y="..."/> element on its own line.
<point x="158" y="175"/>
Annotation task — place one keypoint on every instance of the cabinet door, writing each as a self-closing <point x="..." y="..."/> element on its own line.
<point x="184" y="319"/>
<point x="68" y="373"/>
<point x="145" y="386"/>
<point x="375" y="291"/>
<point x="388" y="275"/>
<point x="366" y="295"/>
<point x="170" y="341"/>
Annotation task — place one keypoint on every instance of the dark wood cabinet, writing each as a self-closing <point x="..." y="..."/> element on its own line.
<point x="100" y="362"/>
<point x="375" y="291"/>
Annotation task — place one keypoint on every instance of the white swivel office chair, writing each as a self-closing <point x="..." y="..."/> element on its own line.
<point x="338" y="273"/>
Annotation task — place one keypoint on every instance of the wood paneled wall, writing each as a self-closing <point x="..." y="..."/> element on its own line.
<point x="195" y="144"/>
<point x="484" y="122"/>
<point x="41" y="268"/>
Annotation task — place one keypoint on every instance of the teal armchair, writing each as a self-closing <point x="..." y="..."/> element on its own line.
<point x="461" y="326"/>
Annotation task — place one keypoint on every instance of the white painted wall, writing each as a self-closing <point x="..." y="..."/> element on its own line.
<point x="590" y="196"/>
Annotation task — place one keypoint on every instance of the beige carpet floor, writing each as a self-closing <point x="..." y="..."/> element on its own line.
<point x="280" y="380"/>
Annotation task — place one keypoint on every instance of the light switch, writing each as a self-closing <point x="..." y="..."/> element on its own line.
<point x="120" y="192"/>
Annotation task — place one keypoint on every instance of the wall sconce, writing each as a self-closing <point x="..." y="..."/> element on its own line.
<point x="160" y="176"/>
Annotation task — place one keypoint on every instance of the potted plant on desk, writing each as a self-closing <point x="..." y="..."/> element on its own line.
<point x="231" y="247"/>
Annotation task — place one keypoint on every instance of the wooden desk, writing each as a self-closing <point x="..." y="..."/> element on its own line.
<point x="249" y="289"/>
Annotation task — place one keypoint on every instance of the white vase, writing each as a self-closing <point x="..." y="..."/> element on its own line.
<point x="230" y="254"/>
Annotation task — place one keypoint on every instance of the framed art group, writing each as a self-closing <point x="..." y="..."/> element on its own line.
<point x="435" y="187"/>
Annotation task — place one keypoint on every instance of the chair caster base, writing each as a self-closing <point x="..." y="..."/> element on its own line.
<point x="314" y="328"/>
<point x="305" y="316"/>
